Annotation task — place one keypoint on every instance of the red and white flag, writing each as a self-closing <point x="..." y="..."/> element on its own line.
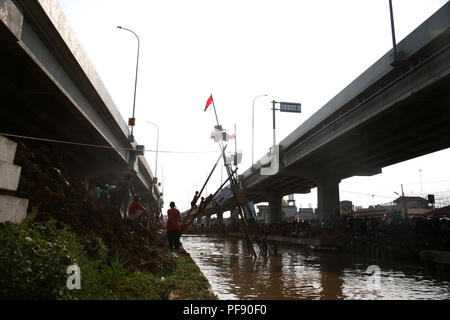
<point x="233" y="136"/>
<point x="208" y="103"/>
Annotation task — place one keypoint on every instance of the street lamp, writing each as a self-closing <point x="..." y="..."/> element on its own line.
<point x="162" y="188"/>
<point x="157" y="145"/>
<point x="394" y="42"/>
<point x="162" y="179"/>
<point x="420" y="177"/>
<point x="132" y="121"/>
<point x="253" y="124"/>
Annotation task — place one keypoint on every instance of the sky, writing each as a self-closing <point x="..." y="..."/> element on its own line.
<point x="293" y="51"/>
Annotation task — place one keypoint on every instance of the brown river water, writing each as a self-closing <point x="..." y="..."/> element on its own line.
<point x="306" y="274"/>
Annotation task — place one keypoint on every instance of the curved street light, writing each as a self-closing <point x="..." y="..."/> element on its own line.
<point x="253" y="124"/>
<point x="157" y="146"/>
<point x="162" y="178"/>
<point x="131" y="137"/>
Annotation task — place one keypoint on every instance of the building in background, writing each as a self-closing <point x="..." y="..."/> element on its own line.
<point x="346" y="207"/>
<point x="307" y="214"/>
<point x="289" y="212"/>
<point x="416" y="206"/>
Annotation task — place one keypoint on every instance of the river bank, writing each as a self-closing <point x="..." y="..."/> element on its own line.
<point x="35" y="260"/>
<point x="68" y="228"/>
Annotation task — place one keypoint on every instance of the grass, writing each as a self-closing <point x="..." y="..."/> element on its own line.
<point x="187" y="282"/>
<point x="34" y="258"/>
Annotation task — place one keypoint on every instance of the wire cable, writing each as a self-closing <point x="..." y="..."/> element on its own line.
<point x="97" y="145"/>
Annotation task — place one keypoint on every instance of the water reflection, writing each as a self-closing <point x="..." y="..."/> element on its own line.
<point x="304" y="274"/>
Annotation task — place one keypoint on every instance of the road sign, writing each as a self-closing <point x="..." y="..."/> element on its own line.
<point x="290" y="107"/>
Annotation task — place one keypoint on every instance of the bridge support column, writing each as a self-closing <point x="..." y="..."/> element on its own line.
<point x="208" y="221"/>
<point x="220" y="218"/>
<point x="275" y="208"/>
<point x="328" y="197"/>
<point x="199" y="220"/>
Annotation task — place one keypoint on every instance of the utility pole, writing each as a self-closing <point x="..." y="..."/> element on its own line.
<point x="405" y="204"/>
<point x="273" y="109"/>
<point x="253" y="126"/>
<point x="394" y="42"/>
<point x="420" y="177"/>
<point x="132" y="121"/>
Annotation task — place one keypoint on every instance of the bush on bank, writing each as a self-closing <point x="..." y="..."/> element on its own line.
<point x="34" y="260"/>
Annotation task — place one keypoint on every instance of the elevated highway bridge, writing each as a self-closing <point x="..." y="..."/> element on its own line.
<point x="396" y="110"/>
<point x="50" y="89"/>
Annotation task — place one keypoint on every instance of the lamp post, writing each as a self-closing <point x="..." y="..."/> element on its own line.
<point x="162" y="187"/>
<point x="133" y="120"/>
<point x="253" y="124"/>
<point x="394" y="42"/>
<point x="157" y="146"/>
<point x="162" y="178"/>
<point x="420" y="177"/>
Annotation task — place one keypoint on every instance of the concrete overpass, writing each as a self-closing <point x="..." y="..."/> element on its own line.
<point x="395" y="111"/>
<point x="50" y="89"/>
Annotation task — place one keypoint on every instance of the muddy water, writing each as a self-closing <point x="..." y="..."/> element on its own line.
<point x="305" y="274"/>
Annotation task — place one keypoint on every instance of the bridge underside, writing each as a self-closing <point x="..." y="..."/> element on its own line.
<point x="34" y="103"/>
<point x="34" y="106"/>
<point x="403" y="115"/>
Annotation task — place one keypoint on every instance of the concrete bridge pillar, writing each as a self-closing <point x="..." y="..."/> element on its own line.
<point x="220" y="218"/>
<point x="199" y="220"/>
<point x="275" y="208"/>
<point x="328" y="197"/>
<point x="208" y="221"/>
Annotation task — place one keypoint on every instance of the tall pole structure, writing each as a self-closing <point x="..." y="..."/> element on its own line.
<point x="420" y="177"/>
<point x="394" y="42"/>
<point x="273" y="109"/>
<point x="135" y="81"/>
<point x="157" y="146"/>
<point x="405" y="204"/>
<point x="253" y="126"/>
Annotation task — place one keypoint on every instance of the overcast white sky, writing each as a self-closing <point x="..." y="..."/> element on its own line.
<point x="296" y="51"/>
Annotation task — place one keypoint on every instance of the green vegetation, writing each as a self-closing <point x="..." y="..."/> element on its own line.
<point x="34" y="260"/>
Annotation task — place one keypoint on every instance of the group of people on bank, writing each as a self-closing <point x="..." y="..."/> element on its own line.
<point x="131" y="206"/>
<point x="352" y="225"/>
<point x="133" y="209"/>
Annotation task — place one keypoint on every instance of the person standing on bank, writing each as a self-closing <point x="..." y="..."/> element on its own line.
<point x="173" y="227"/>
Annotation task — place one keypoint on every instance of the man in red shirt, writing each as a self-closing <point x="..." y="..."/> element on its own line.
<point x="173" y="227"/>
<point x="136" y="210"/>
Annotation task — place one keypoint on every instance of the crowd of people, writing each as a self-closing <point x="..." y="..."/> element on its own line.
<point x="131" y="206"/>
<point x="349" y="224"/>
<point x="133" y="209"/>
<point x="359" y="226"/>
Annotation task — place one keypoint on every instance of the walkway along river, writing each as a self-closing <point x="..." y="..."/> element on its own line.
<point x="305" y="274"/>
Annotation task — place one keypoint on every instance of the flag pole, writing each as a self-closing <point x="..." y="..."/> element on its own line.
<point x="215" y="112"/>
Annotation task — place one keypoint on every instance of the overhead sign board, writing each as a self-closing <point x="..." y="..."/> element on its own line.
<point x="290" y="107"/>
